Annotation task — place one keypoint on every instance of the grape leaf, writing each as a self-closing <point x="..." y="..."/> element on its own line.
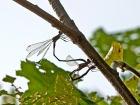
<point x="93" y="96"/>
<point x="115" y="53"/>
<point x="9" y="79"/>
<point x="116" y="100"/>
<point x="3" y="92"/>
<point x="49" y="84"/>
<point x="129" y="40"/>
<point x="138" y="67"/>
<point x="132" y="84"/>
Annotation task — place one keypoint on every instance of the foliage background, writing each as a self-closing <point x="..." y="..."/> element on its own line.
<point x="24" y="28"/>
<point x="49" y="84"/>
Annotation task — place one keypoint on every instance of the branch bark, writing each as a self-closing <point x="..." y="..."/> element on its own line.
<point x="61" y="13"/>
<point x="124" y="67"/>
<point x="79" y="39"/>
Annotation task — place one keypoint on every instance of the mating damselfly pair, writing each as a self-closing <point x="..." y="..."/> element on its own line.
<point x="45" y="45"/>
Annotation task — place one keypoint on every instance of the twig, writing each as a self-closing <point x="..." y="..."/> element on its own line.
<point x="79" y="39"/>
<point x="124" y="67"/>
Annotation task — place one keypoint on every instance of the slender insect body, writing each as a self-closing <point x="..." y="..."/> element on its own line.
<point x="45" y="45"/>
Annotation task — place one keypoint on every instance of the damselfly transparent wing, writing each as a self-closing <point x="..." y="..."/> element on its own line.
<point x="46" y="46"/>
<point x="46" y="50"/>
<point x="38" y="47"/>
<point x="73" y="63"/>
<point x="65" y="38"/>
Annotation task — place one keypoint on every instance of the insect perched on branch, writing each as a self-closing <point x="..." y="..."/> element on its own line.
<point x="80" y="67"/>
<point x="45" y="45"/>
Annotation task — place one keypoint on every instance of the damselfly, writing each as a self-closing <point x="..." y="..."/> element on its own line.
<point x="45" y="45"/>
<point x="72" y="62"/>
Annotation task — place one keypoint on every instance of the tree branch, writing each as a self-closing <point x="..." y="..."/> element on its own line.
<point x="79" y="39"/>
<point x="61" y="13"/>
<point x="124" y="67"/>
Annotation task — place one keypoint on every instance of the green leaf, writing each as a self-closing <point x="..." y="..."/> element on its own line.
<point x="3" y="92"/>
<point x="115" y="53"/>
<point x="93" y="97"/>
<point x="9" y="79"/>
<point x="138" y="67"/>
<point x="116" y="100"/>
<point x="132" y="84"/>
<point x="67" y="93"/>
<point x="129" y="40"/>
<point x="137" y="95"/>
<point x="49" y="84"/>
<point x="40" y="81"/>
<point x="103" y="103"/>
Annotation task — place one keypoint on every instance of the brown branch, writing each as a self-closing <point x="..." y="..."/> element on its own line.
<point x="79" y="39"/>
<point x="61" y="13"/>
<point x="124" y="67"/>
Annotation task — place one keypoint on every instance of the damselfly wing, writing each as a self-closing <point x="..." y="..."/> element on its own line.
<point x="38" y="47"/>
<point x="72" y="63"/>
<point x="45" y="45"/>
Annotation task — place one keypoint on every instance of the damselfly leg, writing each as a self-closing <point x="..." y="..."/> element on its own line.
<point x="73" y="63"/>
<point x="65" y="60"/>
<point x="45" y="45"/>
<point x="80" y="67"/>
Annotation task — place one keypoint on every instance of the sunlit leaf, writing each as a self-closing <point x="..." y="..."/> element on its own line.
<point x="9" y="79"/>
<point x="116" y="100"/>
<point x="93" y="96"/>
<point x="103" y="103"/>
<point x="138" y="67"/>
<point x="67" y="93"/>
<point x="3" y="92"/>
<point x="129" y="40"/>
<point x="49" y="84"/>
<point x="115" y="53"/>
<point x="137" y="95"/>
<point x="132" y="84"/>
